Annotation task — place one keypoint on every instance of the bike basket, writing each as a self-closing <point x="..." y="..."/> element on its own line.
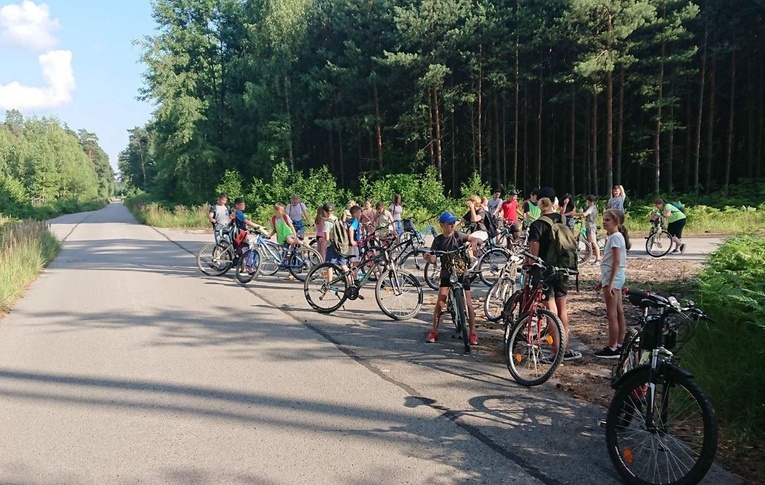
<point x="407" y="225"/>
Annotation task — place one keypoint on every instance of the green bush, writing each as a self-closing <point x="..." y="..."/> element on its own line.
<point x="25" y="248"/>
<point x="728" y="356"/>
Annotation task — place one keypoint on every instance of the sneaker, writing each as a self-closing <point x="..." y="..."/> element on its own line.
<point x="608" y="353"/>
<point x="597" y="262"/>
<point x="432" y="337"/>
<point x="473" y="339"/>
<point x="682" y="248"/>
<point x="572" y="355"/>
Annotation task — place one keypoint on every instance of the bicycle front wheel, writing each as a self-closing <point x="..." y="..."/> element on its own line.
<point x="214" y="259"/>
<point x="432" y="274"/>
<point x="399" y="295"/>
<point x="248" y="265"/>
<point x="583" y="249"/>
<point x="326" y="287"/>
<point x="303" y="259"/>
<point x="679" y="444"/>
<point x="270" y="258"/>
<point x="461" y="318"/>
<point x="534" y="348"/>
<point x="498" y="294"/>
<point x="658" y="244"/>
<point x="491" y="265"/>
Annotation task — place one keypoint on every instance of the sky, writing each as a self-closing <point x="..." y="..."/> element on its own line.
<point x="75" y="60"/>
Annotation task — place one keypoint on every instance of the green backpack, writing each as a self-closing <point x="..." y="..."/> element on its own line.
<point x="562" y="249"/>
<point x="338" y="237"/>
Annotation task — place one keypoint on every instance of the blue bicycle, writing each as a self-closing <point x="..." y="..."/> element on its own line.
<point x="266" y="257"/>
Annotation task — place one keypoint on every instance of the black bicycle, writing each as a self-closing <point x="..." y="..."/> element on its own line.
<point x="661" y="427"/>
<point x="456" y="302"/>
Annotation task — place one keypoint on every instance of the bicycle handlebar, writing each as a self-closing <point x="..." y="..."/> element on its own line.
<point x="539" y="262"/>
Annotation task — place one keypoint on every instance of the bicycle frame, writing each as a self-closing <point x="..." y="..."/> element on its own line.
<point x="284" y="253"/>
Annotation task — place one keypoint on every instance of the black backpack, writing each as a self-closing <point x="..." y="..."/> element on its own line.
<point x="562" y="249"/>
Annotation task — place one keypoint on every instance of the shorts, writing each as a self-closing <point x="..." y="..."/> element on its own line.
<point x="557" y="285"/>
<point x="447" y="283"/>
<point x="334" y="257"/>
<point x="398" y="227"/>
<point x="675" y="229"/>
<point x="619" y="280"/>
<point x="480" y="235"/>
<point x="513" y="226"/>
<point x="299" y="227"/>
<point x="592" y="233"/>
<point x="355" y="253"/>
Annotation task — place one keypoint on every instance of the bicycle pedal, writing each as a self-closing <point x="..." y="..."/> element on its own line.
<point x="602" y="423"/>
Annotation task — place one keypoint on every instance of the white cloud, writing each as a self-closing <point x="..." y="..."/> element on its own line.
<point x="58" y="75"/>
<point x="27" y="25"/>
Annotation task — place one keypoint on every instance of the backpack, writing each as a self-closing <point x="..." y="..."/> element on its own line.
<point x="338" y="237"/>
<point x="679" y="205"/>
<point x="491" y="225"/>
<point x="562" y="249"/>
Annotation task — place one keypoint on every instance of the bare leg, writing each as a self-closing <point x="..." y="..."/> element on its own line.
<point x="613" y="318"/>
<point x="471" y="311"/>
<point x="443" y="294"/>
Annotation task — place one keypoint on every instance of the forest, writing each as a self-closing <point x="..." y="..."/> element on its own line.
<point x="658" y="95"/>
<point x="45" y="164"/>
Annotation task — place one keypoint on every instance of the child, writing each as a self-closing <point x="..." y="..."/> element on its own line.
<point x="448" y="240"/>
<point x="321" y="242"/>
<point x="354" y="233"/>
<point x="281" y="225"/>
<point x="590" y="224"/>
<point x="612" y="279"/>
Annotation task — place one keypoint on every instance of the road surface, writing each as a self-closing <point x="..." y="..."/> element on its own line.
<point x="123" y="364"/>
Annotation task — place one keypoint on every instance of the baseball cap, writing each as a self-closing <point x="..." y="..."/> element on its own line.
<point x="548" y="192"/>
<point x="513" y="192"/>
<point x="447" y="217"/>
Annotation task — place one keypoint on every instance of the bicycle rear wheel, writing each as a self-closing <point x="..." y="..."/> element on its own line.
<point x="678" y="447"/>
<point x="498" y="294"/>
<point x="399" y="295"/>
<point x="533" y="351"/>
<point x="303" y="259"/>
<point x="491" y="265"/>
<point x="432" y="274"/>
<point x="658" y="244"/>
<point x="326" y="287"/>
<point x="214" y="259"/>
<point x="583" y="249"/>
<point x="629" y="357"/>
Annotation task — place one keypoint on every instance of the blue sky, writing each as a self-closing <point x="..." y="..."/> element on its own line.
<point x="107" y="75"/>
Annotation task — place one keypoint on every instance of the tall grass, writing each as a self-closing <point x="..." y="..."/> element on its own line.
<point x="25" y="248"/>
<point x="728" y="356"/>
<point x="703" y="219"/>
<point x="163" y="215"/>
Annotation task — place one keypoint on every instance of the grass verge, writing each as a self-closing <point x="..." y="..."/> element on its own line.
<point x="25" y="248"/>
<point x="163" y="214"/>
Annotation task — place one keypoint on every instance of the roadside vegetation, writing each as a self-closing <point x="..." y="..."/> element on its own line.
<point x="25" y="248"/>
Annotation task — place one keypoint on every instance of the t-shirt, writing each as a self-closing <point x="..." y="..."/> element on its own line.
<point x="220" y="213"/>
<point x="296" y="211"/>
<point x="449" y="243"/>
<point x="282" y="228"/>
<point x="328" y="223"/>
<point x="591" y="216"/>
<point x="384" y="223"/>
<point x="617" y="203"/>
<point x="368" y="218"/>
<point x="510" y="210"/>
<point x="539" y="231"/>
<point x="532" y="209"/>
<point x="240" y="219"/>
<point x="481" y="224"/>
<point x="615" y="240"/>
<point x="493" y="204"/>
<point x="320" y="226"/>
<point x="396" y="211"/>
<point x="675" y="214"/>
<point x="356" y="226"/>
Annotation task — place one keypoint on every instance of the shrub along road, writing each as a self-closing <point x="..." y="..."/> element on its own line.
<point x="123" y="364"/>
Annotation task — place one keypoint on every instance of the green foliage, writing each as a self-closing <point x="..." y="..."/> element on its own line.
<point x="231" y="185"/>
<point x="25" y="248"/>
<point x="164" y="214"/>
<point x="727" y="356"/>
<point x="475" y="186"/>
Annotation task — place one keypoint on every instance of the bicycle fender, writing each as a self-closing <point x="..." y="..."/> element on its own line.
<point x="664" y="367"/>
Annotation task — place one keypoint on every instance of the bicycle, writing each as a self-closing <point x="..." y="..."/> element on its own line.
<point x="659" y="241"/>
<point x="504" y="287"/>
<point x="583" y="245"/>
<point x="216" y="258"/>
<point x="534" y="337"/>
<point x="398" y="293"/>
<point x="660" y="426"/>
<point x="298" y="259"/>
<point x="487" y="267"/>
<point x="456" y="302"/>
<point x="412" y="243"/>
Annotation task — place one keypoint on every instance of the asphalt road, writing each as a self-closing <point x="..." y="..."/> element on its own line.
<point x="123" y="364"/>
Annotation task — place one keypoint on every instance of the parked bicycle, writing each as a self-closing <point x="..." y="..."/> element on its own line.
<point x="583" y="245"/>
<point x="216" y="258"/>
<point x="491" y="260"/>
<point x="398" y="293"/>
<point x="661" y="427"/>
<point x="411" y="244"/>
<point x="659" y="241"/>
<point x="509" y="277"/>
<point x="534" y="338"/>
<point x="267" y="258"/>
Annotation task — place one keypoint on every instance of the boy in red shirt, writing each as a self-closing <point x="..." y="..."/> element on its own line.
<point x="510" y="213"/>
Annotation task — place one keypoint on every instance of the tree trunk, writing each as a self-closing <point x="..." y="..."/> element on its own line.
<point x="454" y="155"/>
<point x="342" y="156"/>
<point x="480" y="111"/>
<point x="497" y="144"/>
<point x="572" y="154"/>
<point x="671" y="152"/>
<point x="517" y="101"/>
<point x="710" y="125"/>
<point x="729" y="154"/>
<point x="438" y="132"/>
<point x="504" y="137"/>
<point x="609" y="116"/>
<point x="289" y="125"/>
<point x="594" y="179"/>
<point x="526" y="177"/>
<point x="687" y="162"/>
<point x="761" y="111"/>
<point x="378" y="128"/>
<point x="431" y="148"/>
<point x="539" y="134"/>
<point x="657" y="128"/>
<point x="620" y="131"/>
<point x="697" y="153"/>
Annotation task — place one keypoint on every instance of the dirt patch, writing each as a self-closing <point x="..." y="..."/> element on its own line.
<point x="589" y="378"/>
